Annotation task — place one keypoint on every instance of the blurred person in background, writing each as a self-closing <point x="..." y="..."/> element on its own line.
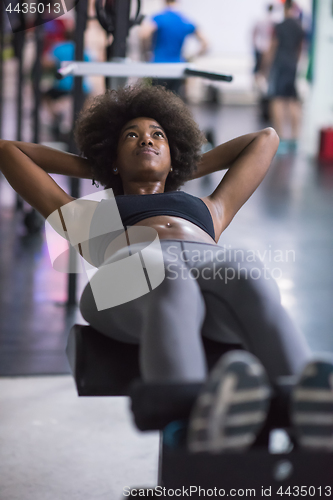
<point x="261" y="40"/>
<point x="58" y="97"/>
<point x="282" y="60"/>
<point x="164" y="36"/>
<point x="54" y="32"/>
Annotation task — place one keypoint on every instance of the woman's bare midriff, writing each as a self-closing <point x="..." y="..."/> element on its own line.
<point x="168" y="228"/>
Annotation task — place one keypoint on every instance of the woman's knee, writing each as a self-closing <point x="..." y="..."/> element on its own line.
<point x="237" y="278"/>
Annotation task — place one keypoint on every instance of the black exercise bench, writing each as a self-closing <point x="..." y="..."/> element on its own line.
<point x="105" y="367"/>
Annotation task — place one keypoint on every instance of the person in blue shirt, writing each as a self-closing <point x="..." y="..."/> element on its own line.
<point x="164" y="35"/>
<point x="59" y="52"/>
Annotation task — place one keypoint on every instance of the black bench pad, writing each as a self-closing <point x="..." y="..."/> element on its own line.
<point x="102" y="366"/>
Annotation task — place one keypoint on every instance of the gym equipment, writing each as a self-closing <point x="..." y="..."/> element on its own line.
<point x="102" y="366"/>
<point x="108" y="11"/>
<point x="33" y="221"/>
<point x="114" y="17"/>
<point x="137" y="69"/>
<point x="18" y="41"/>
<point x="19" y="25"/>
<point x="326" y="145"/>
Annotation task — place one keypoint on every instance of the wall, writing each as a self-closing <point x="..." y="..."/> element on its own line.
<point x="319" y="108"/>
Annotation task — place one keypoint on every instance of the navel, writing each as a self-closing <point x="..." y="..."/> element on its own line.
<point x="168" y="224"/>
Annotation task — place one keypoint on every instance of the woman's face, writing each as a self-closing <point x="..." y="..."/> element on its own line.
<point x="143" y="152"/>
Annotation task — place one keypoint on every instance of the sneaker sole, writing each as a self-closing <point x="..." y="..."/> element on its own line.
<point x="233" y="406"/>
<point x="312" y="407"/>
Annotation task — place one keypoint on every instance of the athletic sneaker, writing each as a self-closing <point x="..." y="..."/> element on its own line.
<point x="283" y="148"/>
<point x="312" y="407"/>
<point x="232" y="407"/>
<point x="292" y="144"/>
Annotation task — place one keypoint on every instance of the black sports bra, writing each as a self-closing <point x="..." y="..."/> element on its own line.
<point x="135" y="207"/>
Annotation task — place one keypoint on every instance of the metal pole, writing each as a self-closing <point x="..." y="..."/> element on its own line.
<point x="19" y="83"/>
<point x="137" y="69"/>
<point x="2" y="48"/>
<point x="19" y="38"/>
<point x="78" y="100"/>
<point x="121" y="28"/>
<point x="37" y="76"/>
<point x="118" y="46"/>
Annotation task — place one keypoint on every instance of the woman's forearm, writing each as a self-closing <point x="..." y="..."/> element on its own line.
<point x="221" y="157"/>
<point x="54" y="161"/>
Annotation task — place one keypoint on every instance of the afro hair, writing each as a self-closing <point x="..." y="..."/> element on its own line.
<point x="98" y="126"/>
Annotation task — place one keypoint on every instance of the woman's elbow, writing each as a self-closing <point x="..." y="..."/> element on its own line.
<point x="3" y="143"/>
<point x="271" y="133"/>
<point x="271" y="138"/>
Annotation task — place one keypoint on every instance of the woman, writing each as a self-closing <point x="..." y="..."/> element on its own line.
<point x="143" y="143"/>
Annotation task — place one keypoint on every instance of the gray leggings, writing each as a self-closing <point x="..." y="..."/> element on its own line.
<point x="207" y="291"/>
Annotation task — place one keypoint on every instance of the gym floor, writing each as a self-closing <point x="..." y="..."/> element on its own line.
<point x="56" y="445"/>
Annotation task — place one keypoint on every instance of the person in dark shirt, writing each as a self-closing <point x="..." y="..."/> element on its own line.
<point x="284" y="55"/>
